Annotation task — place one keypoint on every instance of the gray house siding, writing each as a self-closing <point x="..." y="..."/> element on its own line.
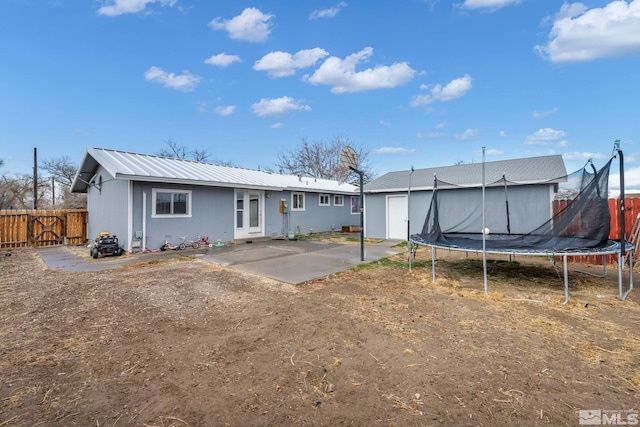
<point x="318" y="218"/>
<point x="376" y="212"/>
<point x="108" y="204"/>
<point x="529" y="207"/>
<point x="210" y="215"/>
<point x="375" y="216"/>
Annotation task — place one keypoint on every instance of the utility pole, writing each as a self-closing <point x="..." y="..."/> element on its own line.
<point x="35" y="178"/>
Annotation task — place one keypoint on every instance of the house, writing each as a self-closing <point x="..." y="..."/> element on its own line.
<point x="146" y="199"/>
<point x="519" y="197"/>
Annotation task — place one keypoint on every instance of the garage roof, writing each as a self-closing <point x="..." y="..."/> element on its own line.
<point x="143" y="167"/>
<point x="532" y="170"/>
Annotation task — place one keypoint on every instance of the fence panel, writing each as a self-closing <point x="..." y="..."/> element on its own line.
<point x="29" y="228"/>
<point x="632" y="210"/>
<point x="14" y="229"/>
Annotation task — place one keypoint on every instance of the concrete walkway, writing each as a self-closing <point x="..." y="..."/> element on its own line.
<point x="292" y="262"/>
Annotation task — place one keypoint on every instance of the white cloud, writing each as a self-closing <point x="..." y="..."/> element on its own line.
<point x="581" y="34"/>
<point x="222" y="60"/>
<point x="486" y="4"/>
<point x="441" y="125"/>
<point x="393" y="150"/>
<point x="454" y="89"/>
<point x="277" y="125"/>
<point x="282" y="64"/>
<point x="384" y="123"/>
<point x="502" y="133"/>
<point x="278" y="106"/>
<point x="202" y="106"/>
<point x="429" y="135"/>
<point x="541" y="114"/>
<point x="327" y="13"/>
<point x="583" y="156"/>
<point x="467" y="134"/>
<point x="120" y="7"/>
<point x="546" y="136"/>
<point x="342" y="74"/>
<point x="631" y="182"/>
<point x="225" y="110"/>
<point x="185" y="82"/>
<point x="251" y="25"/>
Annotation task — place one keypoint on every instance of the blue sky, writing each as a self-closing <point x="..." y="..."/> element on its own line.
<point x="417" y="82"/>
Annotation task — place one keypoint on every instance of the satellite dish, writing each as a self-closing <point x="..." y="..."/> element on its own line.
<point x="348" y="158"/>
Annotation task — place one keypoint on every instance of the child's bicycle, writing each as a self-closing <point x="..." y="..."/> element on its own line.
<point x="183" y="245"/>
<point x="204" y="241"/>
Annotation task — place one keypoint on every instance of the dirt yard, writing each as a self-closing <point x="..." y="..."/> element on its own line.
<point x="190" y="343"/>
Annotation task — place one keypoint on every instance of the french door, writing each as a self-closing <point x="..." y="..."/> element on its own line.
<point x="249" y="218"/>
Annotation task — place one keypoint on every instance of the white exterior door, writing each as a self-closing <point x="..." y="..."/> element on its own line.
<point x="397" y="217"/>
<point x="249" y="218"/>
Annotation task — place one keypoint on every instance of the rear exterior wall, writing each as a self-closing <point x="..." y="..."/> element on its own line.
<point x="108" y="205"/>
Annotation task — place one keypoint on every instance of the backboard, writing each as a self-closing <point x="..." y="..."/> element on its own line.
<point x="348" y="158"/>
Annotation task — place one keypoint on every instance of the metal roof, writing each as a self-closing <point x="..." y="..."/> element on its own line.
<point x="531" y="170"/>
<point x="143" y="167"/>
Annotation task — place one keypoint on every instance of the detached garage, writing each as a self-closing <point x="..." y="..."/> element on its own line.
<point x="396" y="204"/>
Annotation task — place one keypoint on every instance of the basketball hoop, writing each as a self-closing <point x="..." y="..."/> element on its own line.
<point x="348" y="158"/>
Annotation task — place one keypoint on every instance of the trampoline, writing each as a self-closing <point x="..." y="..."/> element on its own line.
<point x="580" y="228"/>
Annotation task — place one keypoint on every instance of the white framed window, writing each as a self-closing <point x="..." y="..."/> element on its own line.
<point x="171" y="203"/>
<point x="324" y="200"/>
<point x="297" y="201"/>
<point x="338" y="200"/>
<point x="355" y="205"/>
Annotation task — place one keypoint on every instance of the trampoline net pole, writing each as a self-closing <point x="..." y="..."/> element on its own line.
<point x="484" y="225"/>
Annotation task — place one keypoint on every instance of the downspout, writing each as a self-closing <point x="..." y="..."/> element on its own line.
<point x="144" y="222"/>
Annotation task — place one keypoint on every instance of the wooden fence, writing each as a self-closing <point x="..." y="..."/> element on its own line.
<point x="631" y="212"/>
<point x="31" y="228"/>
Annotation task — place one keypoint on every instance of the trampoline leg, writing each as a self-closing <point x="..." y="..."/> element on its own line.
<point x="604" y="271"/>
<point x="630" y="276"/>
<point x="433" y="264"/>
<point x="623" y="295"/>
<point x="566" y="280"/>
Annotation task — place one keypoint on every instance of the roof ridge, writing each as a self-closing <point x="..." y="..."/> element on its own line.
<point x="185" y="160"/>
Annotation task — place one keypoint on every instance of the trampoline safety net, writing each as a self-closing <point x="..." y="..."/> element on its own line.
<point x="583" y="222"/>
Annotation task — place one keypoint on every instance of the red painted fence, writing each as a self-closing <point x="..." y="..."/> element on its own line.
<point x="632" y="209"/>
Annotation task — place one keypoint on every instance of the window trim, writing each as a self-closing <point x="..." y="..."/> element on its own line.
<point x="341" y="198"/>
<point x="293" y="195"/>
<point x="320" y="196"/>
<point x="154" y="193"/>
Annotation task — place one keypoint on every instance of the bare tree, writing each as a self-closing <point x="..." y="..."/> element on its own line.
<point x="321" y="159"/>
<point x="61" y="168"/>
<point x="200" y="155"/>
<point x="174" y="150"/>
<point x="63" y="172"/>
<point x="17" y="192"/>
<point x="179" y="151"/>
